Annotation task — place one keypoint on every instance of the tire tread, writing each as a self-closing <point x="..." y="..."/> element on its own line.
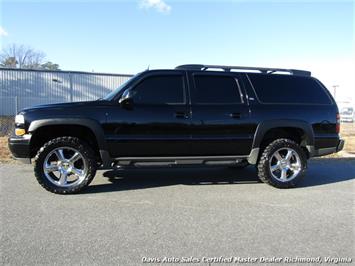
<point x="86" y="151"/>
<point x="263" y="164"/>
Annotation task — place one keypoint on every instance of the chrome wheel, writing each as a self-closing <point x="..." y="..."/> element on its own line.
<point x="285" y="164"/>
<point x="65" y="167"/>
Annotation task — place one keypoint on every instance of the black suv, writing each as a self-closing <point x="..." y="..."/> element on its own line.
<point x="194" y="114"/>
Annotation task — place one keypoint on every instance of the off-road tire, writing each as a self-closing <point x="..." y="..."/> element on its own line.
<point x="75" y="143"/>
<point x="263" y="165"/>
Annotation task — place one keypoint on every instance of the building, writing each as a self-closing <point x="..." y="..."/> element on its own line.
<point x="21" y="88"/>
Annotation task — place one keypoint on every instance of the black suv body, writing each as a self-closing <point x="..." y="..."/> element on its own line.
<point x="272" y="118"/>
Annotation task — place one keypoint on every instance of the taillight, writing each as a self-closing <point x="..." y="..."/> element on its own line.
<point x="337" y="128"/>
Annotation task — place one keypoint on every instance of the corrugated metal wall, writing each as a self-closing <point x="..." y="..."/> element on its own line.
<point x="25" y="88"/>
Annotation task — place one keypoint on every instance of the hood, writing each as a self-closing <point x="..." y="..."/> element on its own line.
<point x="59" y="106"/>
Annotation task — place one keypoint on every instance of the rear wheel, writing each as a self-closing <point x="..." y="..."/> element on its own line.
<point x="282" y="164"/>
<point x="65" y="165"/>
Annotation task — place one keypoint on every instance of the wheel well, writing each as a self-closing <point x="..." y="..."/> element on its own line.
<point x="46" y="133"/>
<point x="298" y="135"/>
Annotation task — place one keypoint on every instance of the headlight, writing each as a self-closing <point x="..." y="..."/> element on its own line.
<point x="19" y="119"/>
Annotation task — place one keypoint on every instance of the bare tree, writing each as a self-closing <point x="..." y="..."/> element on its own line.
<point x="20" y="56"/>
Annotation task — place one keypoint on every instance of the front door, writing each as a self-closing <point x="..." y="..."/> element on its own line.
<point x="157" y="123"/>
<point x="220" y="115"/>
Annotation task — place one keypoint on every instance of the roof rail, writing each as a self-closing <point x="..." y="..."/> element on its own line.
<point x="264" y="70"/>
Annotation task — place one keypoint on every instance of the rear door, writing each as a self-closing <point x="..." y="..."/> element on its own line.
<point x="220" y="115"/>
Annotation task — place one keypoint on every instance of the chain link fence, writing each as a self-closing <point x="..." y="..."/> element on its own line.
<point x="9" y="106"/>
<point x="6" y="125"/>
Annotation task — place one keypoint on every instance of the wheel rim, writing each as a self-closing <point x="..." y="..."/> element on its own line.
<point x="285" y="164"/>
<point x="65" y="167"/>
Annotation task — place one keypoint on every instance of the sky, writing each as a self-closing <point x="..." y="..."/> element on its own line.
<point x="128" y="36"/>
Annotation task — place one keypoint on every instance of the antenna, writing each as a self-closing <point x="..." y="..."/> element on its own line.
<point x="148" y="67"/>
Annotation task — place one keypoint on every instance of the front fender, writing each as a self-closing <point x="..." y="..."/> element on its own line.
<point x="93" y="125"/>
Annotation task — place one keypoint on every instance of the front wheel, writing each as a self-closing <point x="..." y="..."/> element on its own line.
<point x="282" y="164"/>
<point x="65" y="165"/>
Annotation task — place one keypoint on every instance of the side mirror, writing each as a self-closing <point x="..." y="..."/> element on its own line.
<point x="126" y="100"/>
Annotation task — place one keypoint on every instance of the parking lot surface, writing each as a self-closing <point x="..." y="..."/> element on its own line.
<point x="128" y="215"/>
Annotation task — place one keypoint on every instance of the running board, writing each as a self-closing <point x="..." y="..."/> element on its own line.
<point x="181" y="160"/>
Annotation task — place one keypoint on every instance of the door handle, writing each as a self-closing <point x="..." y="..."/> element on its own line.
<point x="181" y="115"/>
<point x="235" y="115"/>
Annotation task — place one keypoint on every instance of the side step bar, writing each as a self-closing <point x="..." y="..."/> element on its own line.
<point x="181" y="160"/>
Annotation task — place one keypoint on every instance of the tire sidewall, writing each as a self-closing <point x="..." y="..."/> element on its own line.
<point x="71" y="142"/>
<point x="270" y="150"/>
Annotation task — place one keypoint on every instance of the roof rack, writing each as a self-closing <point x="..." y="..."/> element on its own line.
<point x="264" y="70"/>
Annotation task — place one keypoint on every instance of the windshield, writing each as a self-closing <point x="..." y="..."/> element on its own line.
<point x="113" y="93"/>
<point x="347" y="111"/>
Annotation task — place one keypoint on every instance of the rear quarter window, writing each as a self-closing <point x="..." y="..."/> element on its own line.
<point x="272" y="88"/>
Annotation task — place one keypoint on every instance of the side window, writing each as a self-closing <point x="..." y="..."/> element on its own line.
<point x="166" y="89"/>
<point x="274" y="88"/>
<point x="215" y="89"/>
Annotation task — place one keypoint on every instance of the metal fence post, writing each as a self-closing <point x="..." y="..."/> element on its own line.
<point x="71" y="85"/>
<point x="16" y="105"/>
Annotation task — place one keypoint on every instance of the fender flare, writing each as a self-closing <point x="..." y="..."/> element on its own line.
<point x="265" y="126"/>
<point x="85" y="122"/>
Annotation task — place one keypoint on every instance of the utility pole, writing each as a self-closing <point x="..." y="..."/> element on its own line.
<point x="335" y="91"/>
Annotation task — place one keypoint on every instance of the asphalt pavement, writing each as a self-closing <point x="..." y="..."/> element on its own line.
<point x="201" y="215"/>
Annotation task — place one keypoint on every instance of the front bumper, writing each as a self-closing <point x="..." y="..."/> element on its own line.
<point x="20" y="148"/>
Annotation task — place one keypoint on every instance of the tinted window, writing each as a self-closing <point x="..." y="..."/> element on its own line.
<point x="160" y="90"/>
<point x="215" y="89"/>
<point x="288" y="89"/>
